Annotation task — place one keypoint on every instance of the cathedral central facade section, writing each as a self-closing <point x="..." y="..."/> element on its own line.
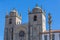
<point x="32" y="30"/>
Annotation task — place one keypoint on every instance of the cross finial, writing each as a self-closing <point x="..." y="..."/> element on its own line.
<point x="41" y="6"/>
<point x="14" y="10"/>
<point x="36" y="5"/>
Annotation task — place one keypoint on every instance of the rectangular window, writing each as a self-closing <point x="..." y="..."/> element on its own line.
<point x="59" y="36"/>
<point x="45" y="37"/>
<point x="53" y="37"/>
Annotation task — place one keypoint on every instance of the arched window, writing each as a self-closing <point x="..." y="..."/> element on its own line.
<point x="35" y="18"/>
<point x="10" y="21"/>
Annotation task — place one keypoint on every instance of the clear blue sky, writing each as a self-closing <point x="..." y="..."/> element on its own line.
<point x="52" y="6"/>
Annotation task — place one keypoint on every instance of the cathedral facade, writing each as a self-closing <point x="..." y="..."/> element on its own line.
<point x="35" y="29"/>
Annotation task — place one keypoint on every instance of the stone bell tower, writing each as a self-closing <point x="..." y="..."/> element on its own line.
<point x="37" y="23"/>
<point x="10" y="21"/>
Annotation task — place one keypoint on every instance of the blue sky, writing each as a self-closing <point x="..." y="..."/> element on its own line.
<point x="52" y="6"/>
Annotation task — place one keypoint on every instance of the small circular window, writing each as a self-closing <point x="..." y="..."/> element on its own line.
<point x="21" y="33"/>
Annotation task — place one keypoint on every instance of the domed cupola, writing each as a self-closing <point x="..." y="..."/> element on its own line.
<point x="37" y="9"/>
<point x="13" y="12"/>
